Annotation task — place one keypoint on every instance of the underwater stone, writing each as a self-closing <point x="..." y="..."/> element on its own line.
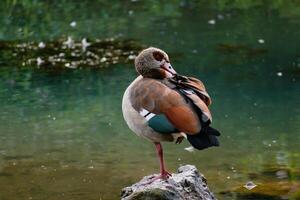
<point x="266" y="191"/>
<point x="85" y="53"/>
<point x="186" y="184"/>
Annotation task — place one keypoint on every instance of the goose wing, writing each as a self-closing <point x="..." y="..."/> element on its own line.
<point x="152" y="97"/>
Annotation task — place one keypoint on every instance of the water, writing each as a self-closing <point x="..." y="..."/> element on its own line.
<point x="62" y="132"/>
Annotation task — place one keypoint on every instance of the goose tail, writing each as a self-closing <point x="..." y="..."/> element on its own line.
<point x="205" y="139"/>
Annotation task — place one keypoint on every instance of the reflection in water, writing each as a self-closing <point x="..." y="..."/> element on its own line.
<point x="62" y="133"/>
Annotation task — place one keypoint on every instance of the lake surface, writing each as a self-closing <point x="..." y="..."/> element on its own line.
<point x="62" y="134"/>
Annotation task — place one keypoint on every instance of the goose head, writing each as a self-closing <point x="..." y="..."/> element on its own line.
<point x="154" y="63"/>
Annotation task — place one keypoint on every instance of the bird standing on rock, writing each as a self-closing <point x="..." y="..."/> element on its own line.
<point x="161" y="105"/>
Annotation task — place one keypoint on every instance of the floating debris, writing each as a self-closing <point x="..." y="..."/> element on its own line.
<point x="190" y="149"/>
<point x="195" y="51"/>
<point x="73" y="24"/>
<point x="250" y="185"/>
<point x="279" y="73"/>
<point x="39" y="61"/>
<point x="282" y="158"/>
<point x="42" y="45"/>
<point x="84" y="44"/>
<point x="212" y="22"/>
<point x="282" y="174"/>
<point x="61" y="54"/>
<point x="220" y="16"/>
<point x="68" y="65"/>
<point x="43" y="167"/>
<point x="103" y="59"/>
<point x="69" y="42"/>
<point x="130" y="12"/>
<point x="261" y="41"/>
<point x="131" y="57"/>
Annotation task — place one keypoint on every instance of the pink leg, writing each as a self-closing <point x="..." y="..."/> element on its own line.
<point x="163" y="173"/>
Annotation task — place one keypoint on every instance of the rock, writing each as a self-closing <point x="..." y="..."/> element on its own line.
<point x="186" y="184"/>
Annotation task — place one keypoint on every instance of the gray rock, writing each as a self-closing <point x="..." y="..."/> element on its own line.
<point x="186" y="184"/>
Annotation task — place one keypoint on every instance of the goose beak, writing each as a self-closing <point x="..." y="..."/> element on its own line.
<point x="170" y="72"/>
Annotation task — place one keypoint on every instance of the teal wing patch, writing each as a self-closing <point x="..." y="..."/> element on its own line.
<point x="161" y="124"/>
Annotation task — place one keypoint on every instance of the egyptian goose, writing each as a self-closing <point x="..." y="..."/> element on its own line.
<point x="161" y="105"/>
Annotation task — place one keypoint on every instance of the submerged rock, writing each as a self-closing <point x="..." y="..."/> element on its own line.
<point x="69" y="53"/>
<point x="267" y="191"/>
<point x="186" y="184"/>
<point x="241" y="50"/>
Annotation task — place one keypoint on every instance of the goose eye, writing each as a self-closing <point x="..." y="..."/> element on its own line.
<point x="158" y="56"/>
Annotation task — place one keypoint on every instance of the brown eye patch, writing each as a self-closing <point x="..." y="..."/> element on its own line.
<point x="158" y="56"/>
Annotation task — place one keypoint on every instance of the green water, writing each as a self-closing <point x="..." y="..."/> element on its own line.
<point x="62" y="135"/>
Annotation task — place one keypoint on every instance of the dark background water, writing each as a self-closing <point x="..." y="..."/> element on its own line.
<point x="62" y="134"/>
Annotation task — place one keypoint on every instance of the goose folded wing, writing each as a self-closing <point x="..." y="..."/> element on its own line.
<point x="159" y="99"/>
